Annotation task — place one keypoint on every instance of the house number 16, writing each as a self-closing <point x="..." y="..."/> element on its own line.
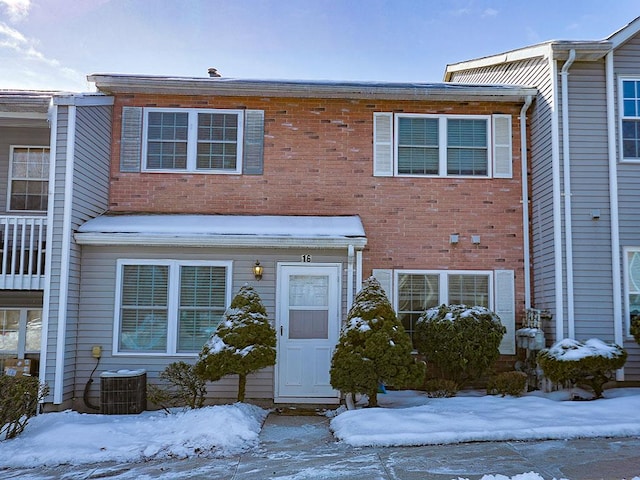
<point x="305" y="258"/>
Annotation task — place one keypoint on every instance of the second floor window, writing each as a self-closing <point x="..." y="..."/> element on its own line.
<point x="631" y="119"/>
<point x="29" y="178"/>
<point x="193" y="140"/>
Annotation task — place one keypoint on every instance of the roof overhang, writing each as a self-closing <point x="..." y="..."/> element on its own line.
<point x="238" y="231"/>
<point x="128" y="84"/>
<point x="586" y="51"/>
<point x="24" y="108"/>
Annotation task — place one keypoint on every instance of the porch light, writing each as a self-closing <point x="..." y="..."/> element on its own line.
<point x="257" y="270"/>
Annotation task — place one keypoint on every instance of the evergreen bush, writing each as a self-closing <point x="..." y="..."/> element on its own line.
<point x="461" y="342"/>
<point x="243" y="342"/>
<point x="441" y="388"/>
<point x="182" y="387"/>
<point x="591" y="363"/>
<point x="19" y="398"/>
<point x="635" y="327"/>
<point x="507" y="383"/>
<point x="374" y="348"/>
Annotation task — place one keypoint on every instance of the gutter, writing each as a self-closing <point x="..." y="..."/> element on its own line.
<point x="525" y="203"/>
<point x="613" y="206"/>
<point x="566" y="164"/>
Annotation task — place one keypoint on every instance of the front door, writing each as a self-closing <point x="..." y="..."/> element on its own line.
<point x="308" y="326"/>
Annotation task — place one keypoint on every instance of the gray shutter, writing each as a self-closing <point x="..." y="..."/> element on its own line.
<point x="131" y="139"/>
<point x="505" y="308"/>
<point x="502" y="164"/>
<point x="383" y="144"/>
<point x="253" y="150"/>
<point x="385" y="278"/>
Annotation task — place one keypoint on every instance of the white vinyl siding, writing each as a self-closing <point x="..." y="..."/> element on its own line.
<point x="192" y="140"/>
<point x="168" y="306"/>
<point x="407" y="144"/>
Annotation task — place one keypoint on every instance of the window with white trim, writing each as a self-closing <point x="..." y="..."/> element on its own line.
<point x="20" y="331"/>
<point x="407" y="144"/>
<point x="632" y="284"/>
<point x="169" y="306"/>
<point x="28" y="179"/>
<point x="192" y="140"/>
<point x="630" y="119"/>
<point x="417" y="291"/>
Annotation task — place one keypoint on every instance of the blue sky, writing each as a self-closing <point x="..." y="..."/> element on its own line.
<point x="54" y="44"/>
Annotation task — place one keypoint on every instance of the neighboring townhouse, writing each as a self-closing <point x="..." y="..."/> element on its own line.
<point x="585" y="173"/>
<point x="301" y="189"/>
<point x="24" y="179"/>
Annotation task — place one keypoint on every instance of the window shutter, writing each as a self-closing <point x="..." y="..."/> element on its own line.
<point x="383" y="144"/>
<point x="131" y="139"/>
<point x="505" y="308"/>
<point x="385" y="278"/>
<point x="253" y="150"/>
<point x="502" y="165"/>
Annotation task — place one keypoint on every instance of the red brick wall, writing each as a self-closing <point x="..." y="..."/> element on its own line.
<point x="318" y="161"/>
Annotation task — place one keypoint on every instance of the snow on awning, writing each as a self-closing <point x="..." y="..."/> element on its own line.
<point x="224" y="230"/>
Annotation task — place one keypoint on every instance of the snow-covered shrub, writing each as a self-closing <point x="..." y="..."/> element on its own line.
<point x="374" y="348"/>
<point x="441" y="388"/>
<point x="507" y="383"/>
<point x="182" y="387"/>
<point x="592" y="362"/>
<point x="243" y="342"/>
<point x="461" y="342"/>
<point x="19" y="398"/>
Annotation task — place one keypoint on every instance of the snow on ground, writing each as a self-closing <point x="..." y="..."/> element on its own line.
<point x="407" y="418"/>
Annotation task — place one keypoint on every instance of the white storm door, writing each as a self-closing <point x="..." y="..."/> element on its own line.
<point x="308" y="328"/>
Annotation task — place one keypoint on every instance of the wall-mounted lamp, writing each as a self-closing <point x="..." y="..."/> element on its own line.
<point x="257" y="270"/>
<point x="454" y="238"/>
<point x="475" y="239"/>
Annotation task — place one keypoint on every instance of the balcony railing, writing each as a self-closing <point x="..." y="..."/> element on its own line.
<point x="22" y="248"/>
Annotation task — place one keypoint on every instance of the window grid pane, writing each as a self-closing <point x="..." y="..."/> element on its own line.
<point x="143" y="321"/>
<point x="416" y="293"/>
<point x="467" y="152"/>
<point x="470" y="290"/>
<point x="29" y="179"/>
<point x="217" y="141"/>
<point x="418" y="151"/>
<point x="9" y="331"/>
<point x="167" y="134"/>
<point x="631" y="120"/>
<point x="202" y="305"/>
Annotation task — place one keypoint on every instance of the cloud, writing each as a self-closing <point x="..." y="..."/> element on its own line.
<point x="490" y="12"/>
<point x="17" y="9"/>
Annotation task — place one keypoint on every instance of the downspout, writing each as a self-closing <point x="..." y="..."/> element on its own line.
<point x="44" y="341"/>
<point x="557" y="201"/>
<point x="350" y="263"/>
<point x="65" y="253"/>
<point x="613" y="205"/>
<point x="358" y="270"/>
<point x="566" y="163"/>
<point x="525" y="202"/>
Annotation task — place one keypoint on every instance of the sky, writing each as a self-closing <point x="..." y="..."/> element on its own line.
<point x="405" y="418"/>
<point x="55" y="44"/>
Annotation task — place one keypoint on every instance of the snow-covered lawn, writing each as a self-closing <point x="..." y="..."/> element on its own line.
<point x="407" y="418"/>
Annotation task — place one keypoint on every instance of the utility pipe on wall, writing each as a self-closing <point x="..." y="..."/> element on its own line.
<point x="566" y="173"/>
<point x="525" y="202"/>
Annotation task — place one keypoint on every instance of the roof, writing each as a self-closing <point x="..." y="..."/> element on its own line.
<point x="224" y="230"/>
<point x="586" y="50"/>
<point x="24" y="107"/>
<point x="126" y="84"/>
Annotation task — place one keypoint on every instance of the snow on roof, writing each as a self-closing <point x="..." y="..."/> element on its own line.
<point x="232" y="230"/>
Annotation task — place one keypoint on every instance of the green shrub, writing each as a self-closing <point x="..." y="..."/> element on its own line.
<point x="182" y="388"/>
<point x="373" y="348"/>
<point x="19" y="398"/>
<point x="591" y="363"/>
<point x="441" y="388"/>
<point x="635" y="327"/>
<point x="461" y="342"/>
<point x="507" y="383"/>
<point x="244" y="342"/>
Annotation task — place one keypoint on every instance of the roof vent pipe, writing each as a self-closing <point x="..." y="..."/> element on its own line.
<point x="213" y="73"/>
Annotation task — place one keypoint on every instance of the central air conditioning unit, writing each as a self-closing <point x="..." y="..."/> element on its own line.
<point x="123" y="392"/>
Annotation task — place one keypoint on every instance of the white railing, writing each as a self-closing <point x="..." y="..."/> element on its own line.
<point x="22" y="246"/>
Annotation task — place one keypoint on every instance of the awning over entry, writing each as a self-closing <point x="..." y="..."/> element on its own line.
<point x="279" y="231"/>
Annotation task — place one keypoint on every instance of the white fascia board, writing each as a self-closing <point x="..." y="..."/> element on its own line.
<point x="24" y="115"/>
<point x="238" y="241"/>
<point x="84" y="99"/>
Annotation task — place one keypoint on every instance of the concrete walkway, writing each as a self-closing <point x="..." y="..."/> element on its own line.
<point x="302" y="447"/>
